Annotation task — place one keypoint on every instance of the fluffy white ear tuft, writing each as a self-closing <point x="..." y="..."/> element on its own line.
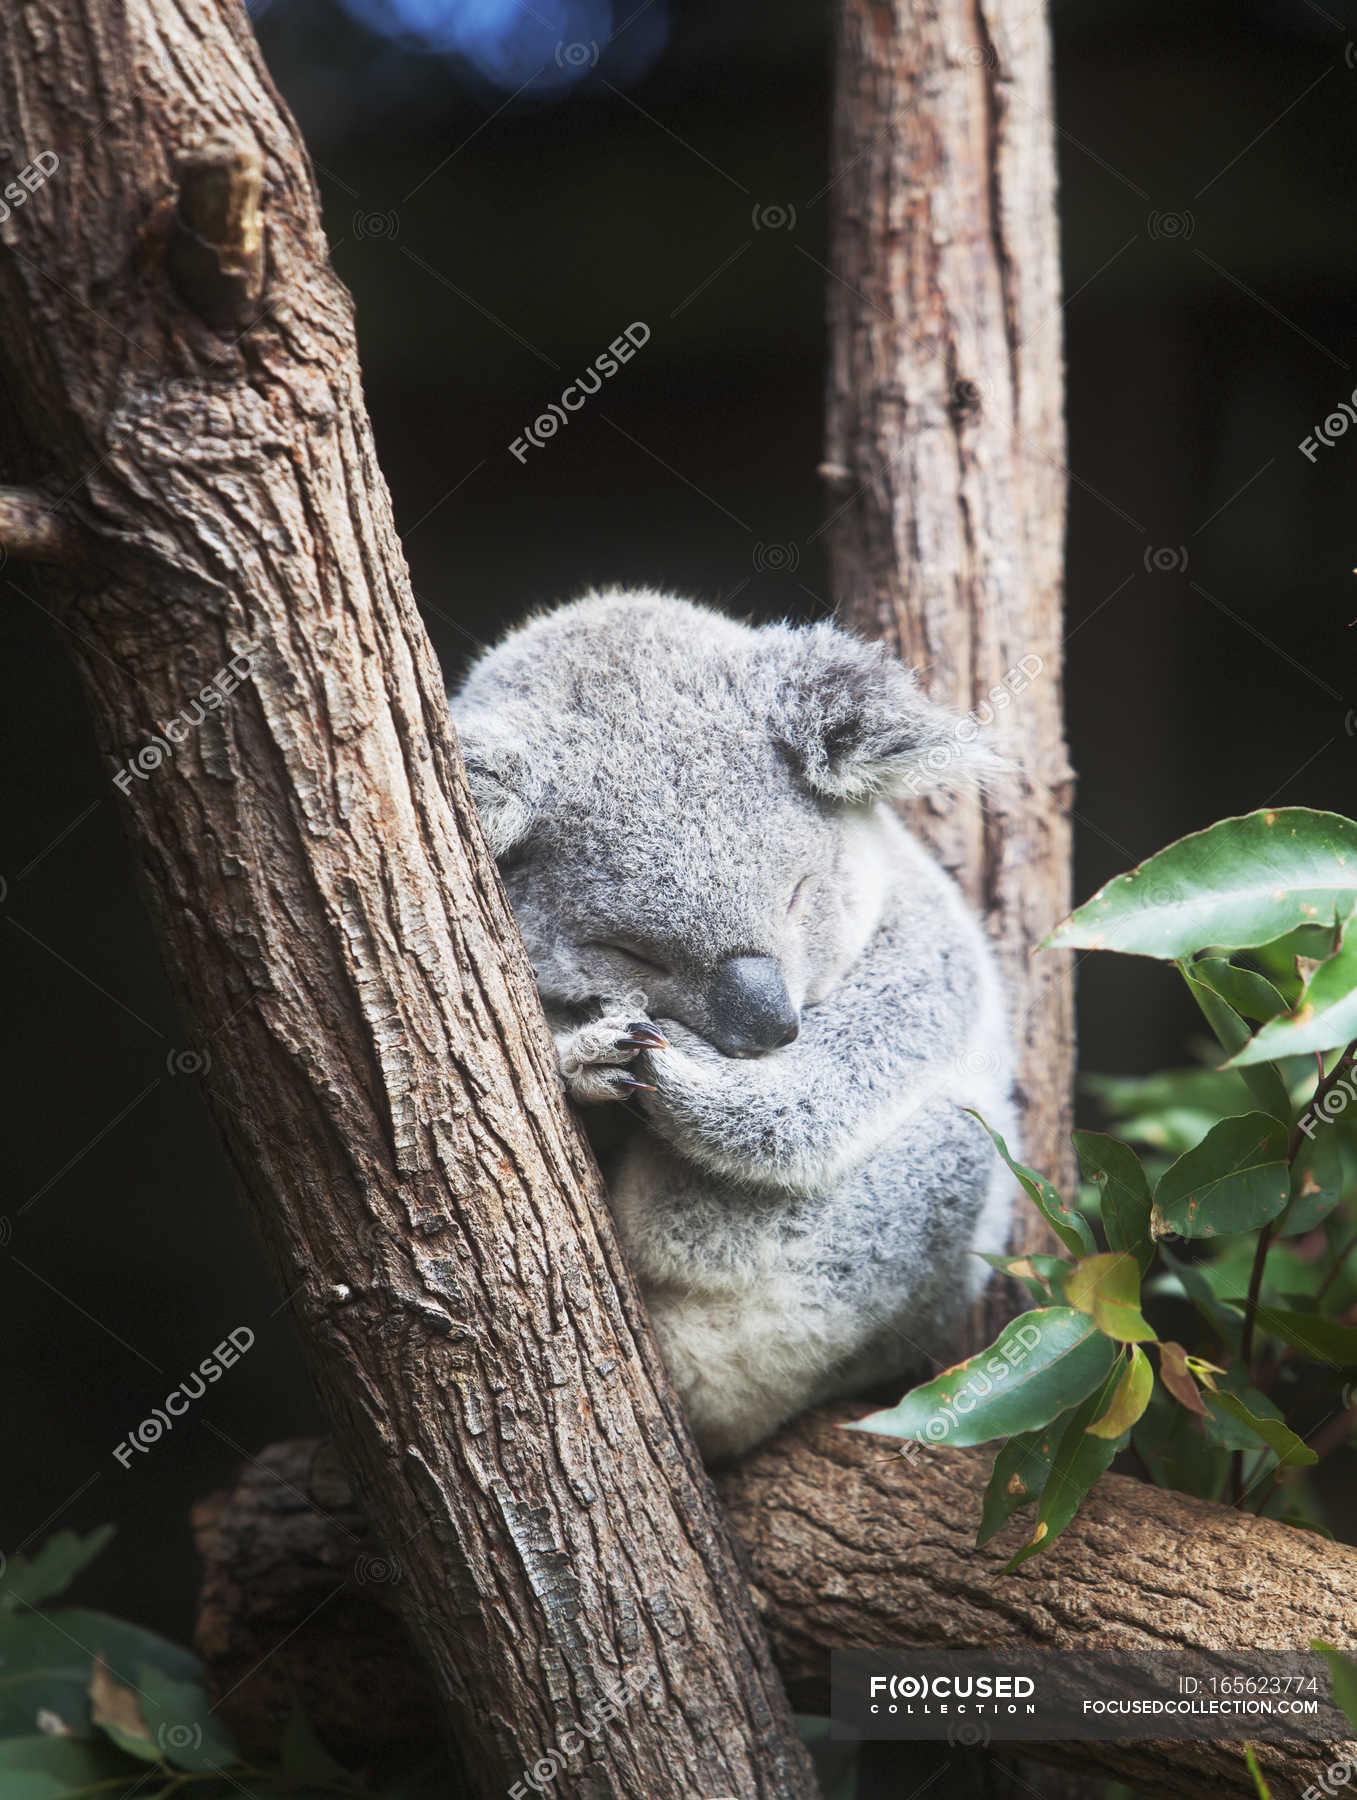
<point x="502" y="785"/>
<point x="854" y="720"/>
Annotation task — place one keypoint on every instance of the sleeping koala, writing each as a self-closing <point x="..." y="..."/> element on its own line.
<point x="735" y="936"/>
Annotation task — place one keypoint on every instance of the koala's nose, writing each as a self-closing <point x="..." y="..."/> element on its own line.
<point x="751" y="1010"/>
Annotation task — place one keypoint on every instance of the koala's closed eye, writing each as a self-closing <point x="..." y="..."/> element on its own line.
<point x="630" y="951"/>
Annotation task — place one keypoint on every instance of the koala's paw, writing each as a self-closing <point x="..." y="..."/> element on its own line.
<point x="594" y="1057"/>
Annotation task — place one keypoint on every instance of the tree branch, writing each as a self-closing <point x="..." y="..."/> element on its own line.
<point x="376" y="1061"/>
<point x="848" y="1545"/>
<point x="32" y="530"/>
<point x="945" y="453"/>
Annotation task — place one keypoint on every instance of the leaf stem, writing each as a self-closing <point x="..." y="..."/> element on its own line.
<point x="1338" y="1262"/>
<point x="1266" y="1235"/>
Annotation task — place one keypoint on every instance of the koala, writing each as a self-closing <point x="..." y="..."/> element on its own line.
<point x="767" y="982"/>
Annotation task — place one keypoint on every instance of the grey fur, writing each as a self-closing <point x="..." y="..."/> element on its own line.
<point x="658" y="782"/>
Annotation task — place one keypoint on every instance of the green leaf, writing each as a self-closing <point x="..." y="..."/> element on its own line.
<point x="1260" y="1787"/>
<point x="1130" y="1399"/>
<point x="1235" y="1180"/>
<point x="1322" y="1340"/>
<point x="1299" y="1522"/>
<point x="52" y="1570"/>
<point x="305" y="1758"/>
<point x="1018" y="1476"/>
<point x="1249" y="994"/>
<point x="1108" y="1288"/>
<point x="116" y="1709"/>
<point x="1200" y="1292"/>
<point x="1263" y="1082"/>
<point x="48" y="1657"/>
<point x="1042" y="1276"/>
<point x="1239" y="883"/>
<point x="1078" y="1462"/>
<point x="1325" y="1017"/>
<point x="1289" y="1449"/>
<point x="1068" y="1225"/>
<point x="1316" y="1183"/>
<point x="53" y="1768"/>
<point x="1343" y="1674"/>
<point x="1178" y="1453"/>
<point x="1115" y="1170"/>
<point x="179" y="1717"/>
<point x="1041" y="1362"/>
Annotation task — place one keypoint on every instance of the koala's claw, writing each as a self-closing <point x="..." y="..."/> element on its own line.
<point x="591" y="1057"/>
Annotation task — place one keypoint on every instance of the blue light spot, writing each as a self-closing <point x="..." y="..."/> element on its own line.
<point x="542" y="45"/>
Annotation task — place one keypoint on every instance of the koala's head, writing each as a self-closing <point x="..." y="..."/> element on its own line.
<point x="686" y="806"/>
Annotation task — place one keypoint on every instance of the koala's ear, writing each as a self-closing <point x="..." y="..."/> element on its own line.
<point x="502" y="785"/>
<point x="855" y="722"/>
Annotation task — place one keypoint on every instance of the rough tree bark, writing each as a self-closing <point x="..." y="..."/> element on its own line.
<point x="189" y="421"/>
<point x="848" y="1546"/>
<point x="945" y="461"/>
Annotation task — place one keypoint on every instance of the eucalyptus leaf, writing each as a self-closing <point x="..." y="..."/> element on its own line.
<point x="305" y="1758"/>
<point x="1325" y="1017"/>
<point x="1041" y="1363"/>
<point x="1116" y="1171"/>
<point x="1239" y="883"/>
<point x="1203" y="1296"/>
<point x="53" y="1768"/>
<point x="1322" y="1340"/>
<point x="1289" y="1450"/>
<point x="1078" y="1462"/>
<point x="1316" y="1183"/>
<point x="1178" y="1378"/>
<point x="1235" y="1180"/>
<point x="1108" y="1289"/>
<point x="48" y="1659"/>
<point x="1343" y="1675"/>
<point x="1250" y="994"/>
<point x="116" y="1709"/>
<point x="185" y="1730"/>
<point x="1043" y="1276"/>
<point x="1131" y="1397"/>
<point x="1018" y="1476"/>
<point x="1264" y="1082"/>
<point x="1260" y="1785"/>
<point x="1069" y="1225"/>
<point x="32" y="1582"/>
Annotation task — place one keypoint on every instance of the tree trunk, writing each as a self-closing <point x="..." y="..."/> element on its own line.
<point x="945" y="463"/>
<point x="847" y="1546"/>
<point x="182" y="367"/>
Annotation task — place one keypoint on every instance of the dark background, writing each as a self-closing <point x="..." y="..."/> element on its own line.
<point x="1206" y="193"/>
